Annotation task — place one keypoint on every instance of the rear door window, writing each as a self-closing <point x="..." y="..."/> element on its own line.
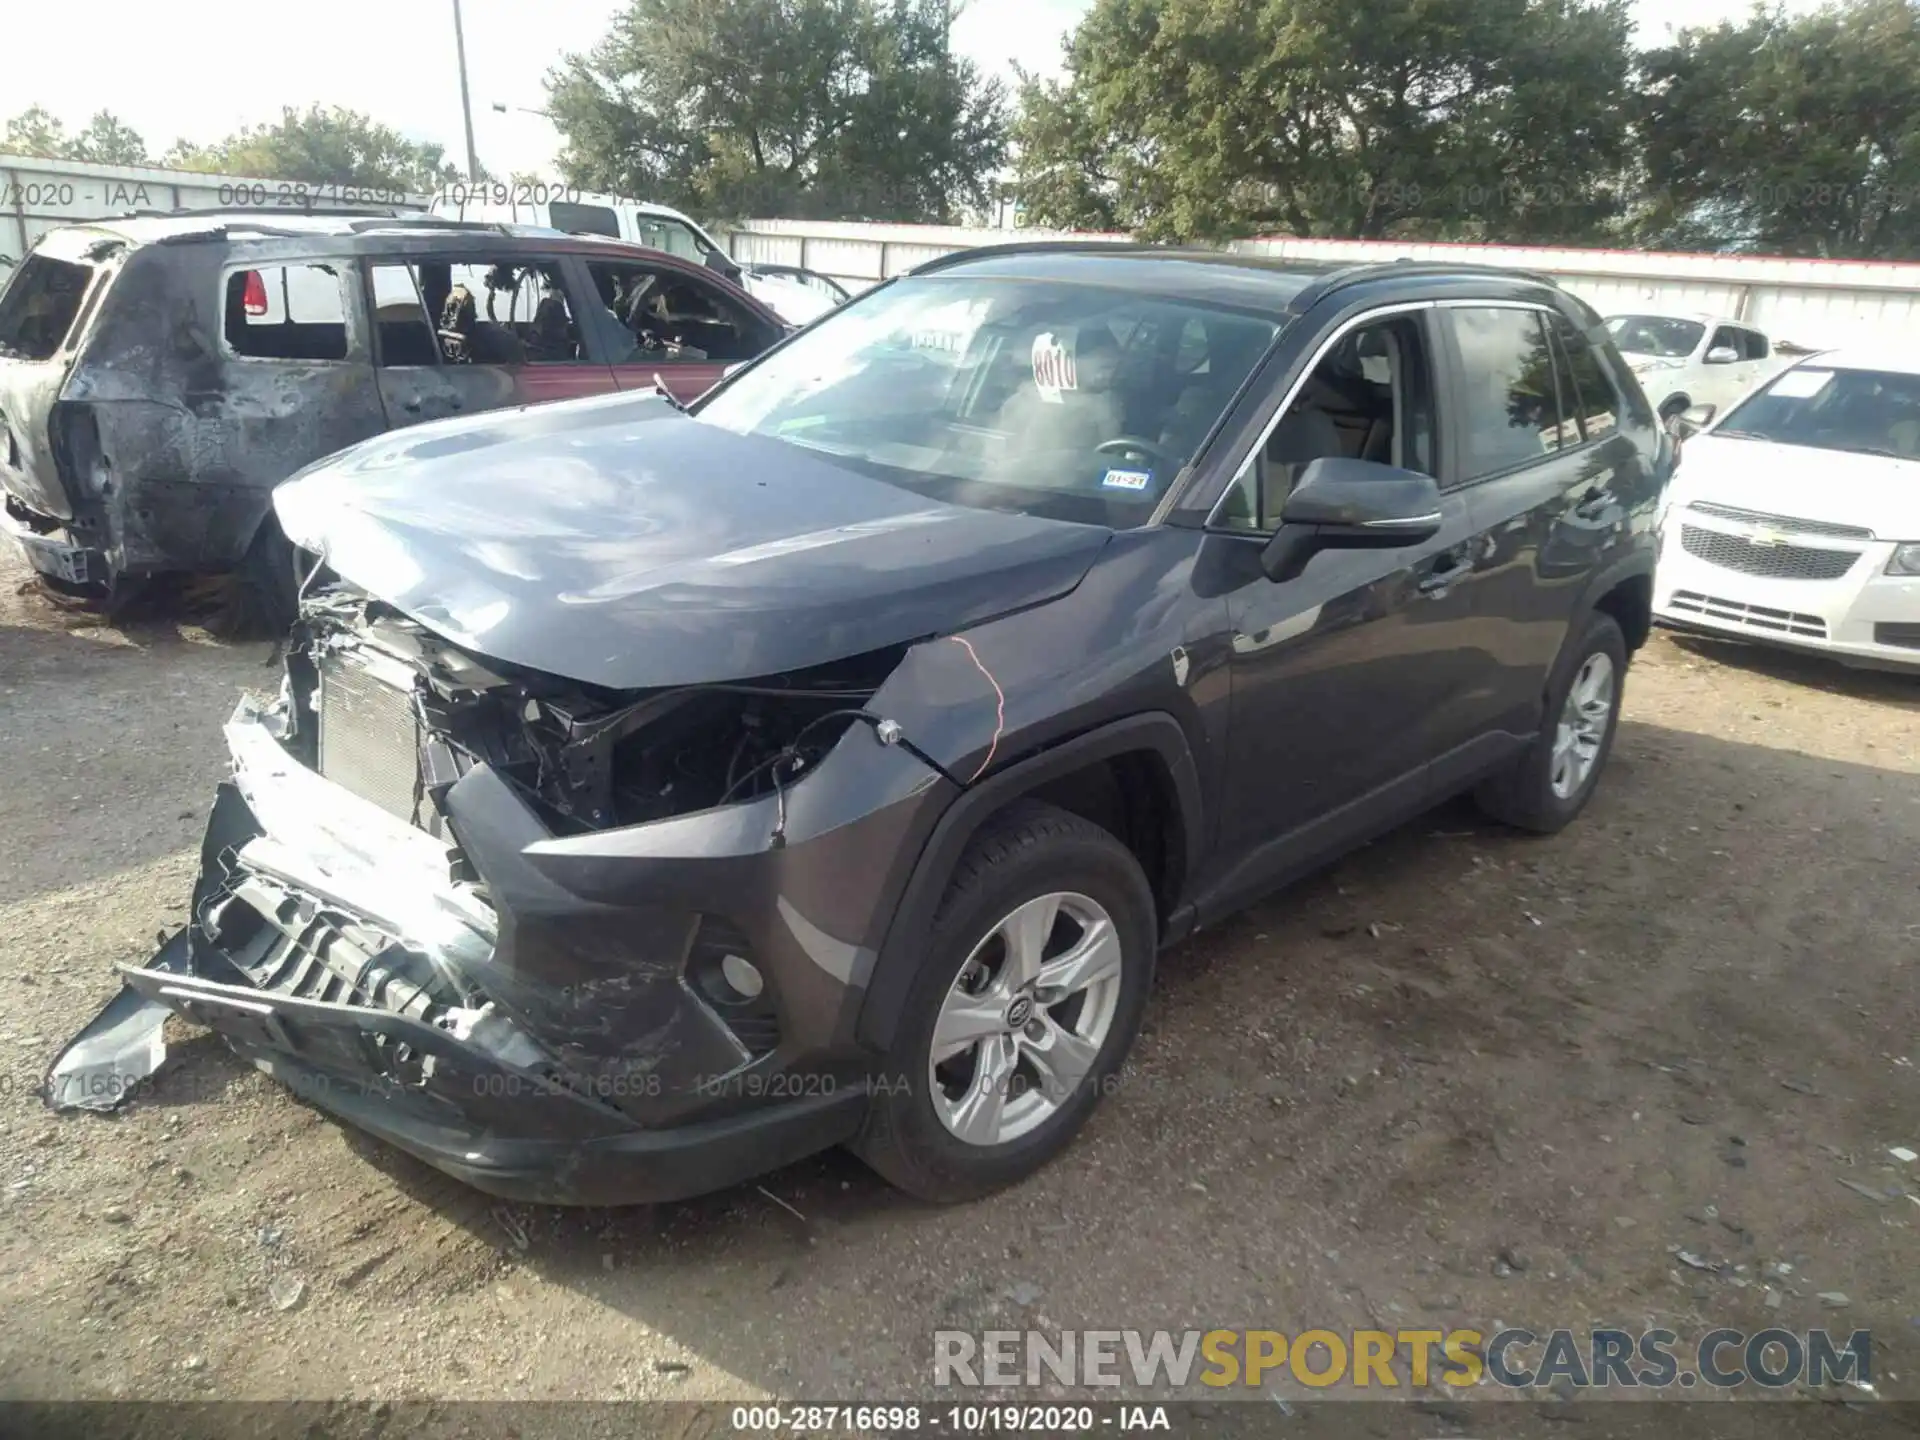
<point x="1509" y="400"/>
<point x="287" y="312"/>
<point x="39" y="306"/>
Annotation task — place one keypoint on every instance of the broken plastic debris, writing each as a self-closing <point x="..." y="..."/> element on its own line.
<point x="1903" y="1155"/>
<point x="1866" y="1190"/>
<point x="118" y="1048"/>
<point x="286" y="1294"/>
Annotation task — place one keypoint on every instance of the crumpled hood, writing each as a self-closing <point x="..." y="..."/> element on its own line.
<point x="1872" y="491"/>
<point x="618" y="542"/>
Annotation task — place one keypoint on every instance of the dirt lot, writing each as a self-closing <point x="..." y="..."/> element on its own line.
<point x="1464" y="1078"/>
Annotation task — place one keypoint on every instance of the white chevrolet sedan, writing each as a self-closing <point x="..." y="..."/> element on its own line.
<point x="1795" y="518"/>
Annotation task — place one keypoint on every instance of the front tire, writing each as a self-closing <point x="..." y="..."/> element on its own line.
<point x="1551" y="783"/>
<point x="262" y="595"/>
<point x="1038" y="965"/>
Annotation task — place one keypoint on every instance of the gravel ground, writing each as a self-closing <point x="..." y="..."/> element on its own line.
<point x="1463" y="1078"/>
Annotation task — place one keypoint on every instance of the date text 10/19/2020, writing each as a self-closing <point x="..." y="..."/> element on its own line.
<point x="776" y="1419"/>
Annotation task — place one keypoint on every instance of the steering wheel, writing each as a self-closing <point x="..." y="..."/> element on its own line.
<point x="1152" y="449"/>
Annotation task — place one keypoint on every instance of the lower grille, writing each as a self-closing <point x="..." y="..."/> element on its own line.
<point x="1774" y="562"/>
<point x="1754" y="617"/>
<point x="369" y="737"/>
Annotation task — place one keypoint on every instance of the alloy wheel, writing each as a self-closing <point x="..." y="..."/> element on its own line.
<point x="1582" y="729"/>
<point x="1025" y="1018"/>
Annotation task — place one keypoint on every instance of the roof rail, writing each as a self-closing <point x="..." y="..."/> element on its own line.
<point x="1041" y="247"/>
<point x="209" y="212"/>
<point x="388" y="221"/>
<point x="1405" y="267"/>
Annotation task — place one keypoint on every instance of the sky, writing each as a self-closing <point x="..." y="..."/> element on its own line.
<point x="203" y="68"/>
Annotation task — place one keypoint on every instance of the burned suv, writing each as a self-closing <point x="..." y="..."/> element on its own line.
<point x="655" y="797"/>
<point x="159" y="375"/>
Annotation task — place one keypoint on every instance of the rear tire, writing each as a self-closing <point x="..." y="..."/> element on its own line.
<point x="1043" y="905"/>
<point x="1553" y="780"/>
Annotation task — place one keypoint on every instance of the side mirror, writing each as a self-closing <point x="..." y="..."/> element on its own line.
<point x="1722" y="355"/>
<point x="1689" y="423"/>
<point x="1342" y="504"/>
<point x="721" y="261"/>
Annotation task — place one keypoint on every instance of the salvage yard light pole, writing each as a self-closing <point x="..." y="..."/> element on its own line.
<point x="466" y="103"/>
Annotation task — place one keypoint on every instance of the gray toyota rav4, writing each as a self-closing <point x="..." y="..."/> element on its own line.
<point x="658" y="795"/>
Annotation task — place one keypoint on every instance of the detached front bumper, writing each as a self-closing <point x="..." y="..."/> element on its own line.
<point x="580" y="1065"/>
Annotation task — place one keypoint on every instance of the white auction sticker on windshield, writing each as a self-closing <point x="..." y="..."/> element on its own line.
<point x="1802" y="384"/>
<point x="1127" y="479"/>
<point x="1053" y="369"/>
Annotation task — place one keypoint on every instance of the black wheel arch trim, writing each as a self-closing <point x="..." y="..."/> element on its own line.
<point x="900" y="954"/>
<point x="1637" y="565"/>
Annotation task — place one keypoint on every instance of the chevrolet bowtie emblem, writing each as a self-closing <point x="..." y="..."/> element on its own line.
<point x="1763" y="535"/>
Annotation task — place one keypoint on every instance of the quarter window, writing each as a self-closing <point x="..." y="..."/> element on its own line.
<point x="287" y="312"/>
<point x="40" y="307"/>
<point x="1510" y="411"/>
<point x="1586" y="391"/>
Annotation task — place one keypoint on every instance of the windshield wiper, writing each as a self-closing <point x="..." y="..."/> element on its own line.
<point x="1739" y="434"/>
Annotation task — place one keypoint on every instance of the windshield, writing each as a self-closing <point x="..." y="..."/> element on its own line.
<point x="1661" y="335"/>
<point x="1870" y="412"/>
<point x="1072" y="401"/>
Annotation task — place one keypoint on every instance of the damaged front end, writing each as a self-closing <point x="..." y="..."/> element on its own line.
<point x="569" y="944"/>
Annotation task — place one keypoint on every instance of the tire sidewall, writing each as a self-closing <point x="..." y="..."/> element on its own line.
<point x="903" y="1109"/>
<point x="1600" y="634"/>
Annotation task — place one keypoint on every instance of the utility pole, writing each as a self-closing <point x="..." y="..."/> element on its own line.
<point x="466" y="104"/>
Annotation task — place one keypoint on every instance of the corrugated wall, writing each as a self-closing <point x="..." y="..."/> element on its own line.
<point x="1816" y="303"/>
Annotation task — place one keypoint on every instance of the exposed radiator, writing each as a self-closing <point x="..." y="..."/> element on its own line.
<point x="369" y="737"/>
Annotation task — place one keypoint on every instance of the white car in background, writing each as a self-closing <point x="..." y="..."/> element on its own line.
<point x="1795" y="518"/>
<point x="1693" y="362"/>
<point x="795" y="295"/>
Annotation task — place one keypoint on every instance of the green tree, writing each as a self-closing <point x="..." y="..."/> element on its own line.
<point x="330" y="146"/>
<point x="106" y="139"/>
<point x="1791" y="135"/>
<point x="846" y="109"/>
<point x="1365" y="118"/>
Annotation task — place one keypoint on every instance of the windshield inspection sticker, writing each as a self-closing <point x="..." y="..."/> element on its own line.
<point x="1802" y="384"/>
<point x="1126" y="480"/>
